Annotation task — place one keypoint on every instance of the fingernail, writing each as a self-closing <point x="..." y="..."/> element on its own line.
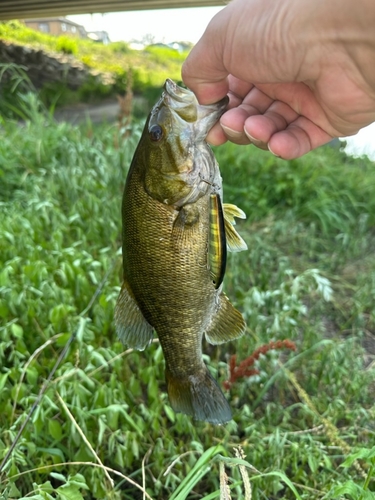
<point x="259" y="144"/>
<point x="233" y="134"/>
<point x="252" y="139"/>
<point x="270" y="150"/>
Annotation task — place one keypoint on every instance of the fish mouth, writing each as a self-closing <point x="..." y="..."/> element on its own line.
<point x="184" y="103"/>
<point x="178" y="93"/>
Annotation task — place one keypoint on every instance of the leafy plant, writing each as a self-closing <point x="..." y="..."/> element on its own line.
<point x="67" y="45"/>
<point x="108" y="64"/>
<point x="104" y="428"/>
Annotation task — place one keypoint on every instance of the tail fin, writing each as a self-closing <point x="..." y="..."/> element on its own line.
<point x="199" y="396"/>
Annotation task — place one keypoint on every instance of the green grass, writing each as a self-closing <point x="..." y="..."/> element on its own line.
<point x="110" y="65"/>
<point x="305" y="422"/>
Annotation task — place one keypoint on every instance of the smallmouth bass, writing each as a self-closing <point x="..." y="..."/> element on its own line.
<point x="176" y="232"/>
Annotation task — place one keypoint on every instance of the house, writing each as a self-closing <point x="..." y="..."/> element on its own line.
<point x="99" y="36"/>
<point x="57" y="26"/>
<point x="181" y="46"/>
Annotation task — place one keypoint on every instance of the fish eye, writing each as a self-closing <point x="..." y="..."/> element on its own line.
<point x="156" y="133"/>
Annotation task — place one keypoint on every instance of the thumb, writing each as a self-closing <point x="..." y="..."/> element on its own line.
<point x="203" y="71"/>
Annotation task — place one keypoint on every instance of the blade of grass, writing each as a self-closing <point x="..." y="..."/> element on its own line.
<point x="199" y="470"/>
<point x="244" y="463"/>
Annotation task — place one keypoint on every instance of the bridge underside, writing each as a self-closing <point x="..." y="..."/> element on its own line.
<point x="28" y="9"/>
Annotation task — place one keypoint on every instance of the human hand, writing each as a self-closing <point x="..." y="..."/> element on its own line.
<point x="298" y="73"/>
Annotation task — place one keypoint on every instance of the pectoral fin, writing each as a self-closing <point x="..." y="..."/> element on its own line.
<point x="217" y="241"/>
<point x="227" y="323"/>
<point x="132" y="328"/>
<point x="234" y="241"/>
<point x="184" y="222"/>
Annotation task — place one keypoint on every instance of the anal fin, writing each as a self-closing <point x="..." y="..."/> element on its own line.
<point x="227" y="323"/>
<point x="131" y="326"/>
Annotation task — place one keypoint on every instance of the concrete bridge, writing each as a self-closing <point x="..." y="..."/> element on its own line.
<point x="25" y="9"/>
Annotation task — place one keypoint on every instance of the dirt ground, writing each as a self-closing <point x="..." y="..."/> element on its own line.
<point x="106" y="111"/>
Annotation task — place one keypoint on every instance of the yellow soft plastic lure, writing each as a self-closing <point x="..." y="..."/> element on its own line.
<point x="218" y="243"/>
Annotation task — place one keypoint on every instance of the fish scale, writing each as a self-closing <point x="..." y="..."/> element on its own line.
<point x="173" y="237"/>
<point x="174" y="314"/>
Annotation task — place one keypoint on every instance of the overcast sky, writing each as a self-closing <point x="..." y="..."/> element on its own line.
<point x="166" y="25"/>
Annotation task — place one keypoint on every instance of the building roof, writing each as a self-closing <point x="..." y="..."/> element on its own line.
<point x="52" y="19"/>
<point x="26" y="9"/>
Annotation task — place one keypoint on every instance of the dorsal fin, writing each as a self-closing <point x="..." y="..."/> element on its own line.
<point x="234" y="241"/>
<point x="232" y="211"/>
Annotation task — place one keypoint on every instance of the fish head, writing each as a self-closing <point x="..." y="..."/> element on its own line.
<point x="180" y="166"/>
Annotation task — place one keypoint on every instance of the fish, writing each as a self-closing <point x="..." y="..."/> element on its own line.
<point x="176" y="233"/>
